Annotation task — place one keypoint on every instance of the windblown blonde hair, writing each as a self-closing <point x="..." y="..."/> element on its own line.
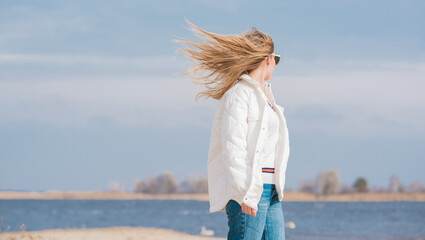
<point x="226" y="57"/>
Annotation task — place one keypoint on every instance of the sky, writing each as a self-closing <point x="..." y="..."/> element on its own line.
<point x="90" y="92"/>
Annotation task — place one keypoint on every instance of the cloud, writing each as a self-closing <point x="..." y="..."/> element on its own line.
<point x="346" y="101"/>
<point x="349" y="102"/>
<point x="345" y="97"/>
<point x="316" y="113"/>
<point x="352" y="103"/>
<point x="151" y="61"/>
<point x="131" y="101"/>
<point x="29" y="67"/>
<point x="394" y="85"/>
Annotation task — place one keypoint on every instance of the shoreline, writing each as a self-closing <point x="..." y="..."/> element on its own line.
<point x="110" y="233"/>
<point x="289" y="196"/>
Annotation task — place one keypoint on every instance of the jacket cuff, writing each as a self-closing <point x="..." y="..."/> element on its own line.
<point x="248" y="201"/>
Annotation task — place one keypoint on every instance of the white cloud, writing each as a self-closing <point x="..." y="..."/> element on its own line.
<point x="387" y="100"/>
<point x="151" y="61"/>
<point x="127" y="101"/>
<point x="326" y="67"/>
<point x="366" y="100"/>
<point x="397" y="86"/>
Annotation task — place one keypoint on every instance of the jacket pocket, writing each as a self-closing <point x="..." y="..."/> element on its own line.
<point x="253" y="126"/>
<point x="250" y="120"/>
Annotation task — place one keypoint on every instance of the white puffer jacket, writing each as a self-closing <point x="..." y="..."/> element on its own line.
<point x="236" y="141"/>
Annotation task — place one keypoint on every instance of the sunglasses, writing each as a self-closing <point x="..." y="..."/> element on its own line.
<point x="276" y="58"/>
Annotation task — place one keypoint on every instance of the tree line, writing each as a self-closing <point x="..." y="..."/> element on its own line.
<point x="166" y="183"/>
<point x="326" y="182"/>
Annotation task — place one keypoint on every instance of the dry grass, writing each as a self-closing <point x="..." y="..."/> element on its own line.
<point x="296" y="196"/>
<point x="289" y="196"/>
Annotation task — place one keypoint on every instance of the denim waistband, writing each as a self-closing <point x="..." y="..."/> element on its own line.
<point x="268" y="186"/>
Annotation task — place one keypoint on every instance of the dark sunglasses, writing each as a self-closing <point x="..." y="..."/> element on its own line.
<point x="276" y="58"/>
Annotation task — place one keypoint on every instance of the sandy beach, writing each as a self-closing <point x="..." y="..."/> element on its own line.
<point x="289" y="196"/>
<point x="113" y="233"/>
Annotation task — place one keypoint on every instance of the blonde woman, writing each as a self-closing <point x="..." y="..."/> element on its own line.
<point x="249" y="145"/>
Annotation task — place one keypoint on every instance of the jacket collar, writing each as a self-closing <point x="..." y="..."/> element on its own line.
<point x="251" y="81"/>
<point x="245" y="77"/>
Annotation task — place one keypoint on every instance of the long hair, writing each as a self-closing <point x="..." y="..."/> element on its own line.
<point x="225" y="57"/>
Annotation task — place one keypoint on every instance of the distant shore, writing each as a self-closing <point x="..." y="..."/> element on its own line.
<point x="289" y="196"/>
<point x="112" y="233"/>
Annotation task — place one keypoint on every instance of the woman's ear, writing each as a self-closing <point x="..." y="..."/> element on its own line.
<point x="268" y="60"/>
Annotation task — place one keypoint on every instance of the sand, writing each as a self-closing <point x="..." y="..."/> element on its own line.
<point x="113" y="233"/>
<point x="289" y="196"/>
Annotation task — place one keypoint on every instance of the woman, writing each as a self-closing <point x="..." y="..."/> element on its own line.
<point x="249" y="144"/>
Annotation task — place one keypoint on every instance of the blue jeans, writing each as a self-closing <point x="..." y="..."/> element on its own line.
<point x="267" y="224"/>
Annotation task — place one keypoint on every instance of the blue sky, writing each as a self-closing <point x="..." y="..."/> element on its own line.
<point x="89" y="92"/>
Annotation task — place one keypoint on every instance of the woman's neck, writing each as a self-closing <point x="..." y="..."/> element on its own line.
<point x="259" y="77"/>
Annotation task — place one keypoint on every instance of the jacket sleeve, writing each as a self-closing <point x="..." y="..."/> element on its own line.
<point x="234" y="129"/>
<point x="280" y="108"/>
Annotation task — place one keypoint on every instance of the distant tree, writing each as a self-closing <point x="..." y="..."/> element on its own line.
<point x="416" y="187"/>
<point x="360" y="185"/>
<point x="167" y="183"/>
<point x="380" y="190"/>
<point x="152" y="183"/>
<point x="328" y="182"/>
<point x="141" y="187"/>
<point x="289" y="189"/>
<point x="148" y="185"/>
<point x="346" y="189"/>
<point x="164" y="183"/>
<point x="195" y="183"/>
<point x="307" y="185"/>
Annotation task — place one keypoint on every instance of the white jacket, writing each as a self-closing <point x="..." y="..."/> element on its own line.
<point x="236" y="141"/>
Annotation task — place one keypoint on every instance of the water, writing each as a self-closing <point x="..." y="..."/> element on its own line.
<point x="314" y="220"/>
